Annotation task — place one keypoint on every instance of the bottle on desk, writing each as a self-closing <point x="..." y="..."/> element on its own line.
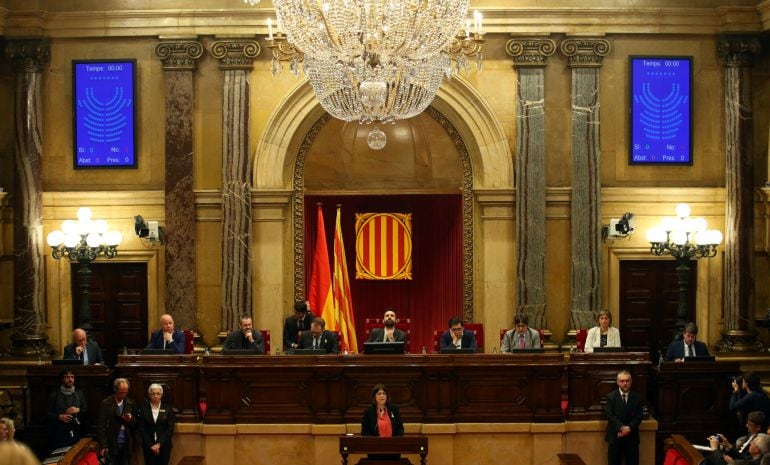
<point x="424" y="352"/>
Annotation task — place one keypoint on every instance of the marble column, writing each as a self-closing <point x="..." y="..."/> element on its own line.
<point x="530" y="56"/>
<point x="739" y="335"/>
<point x="28" y="58"/>
<point x="585" y="59"/>
<point x="179" y="58"/>
<point x="235" y="59"/>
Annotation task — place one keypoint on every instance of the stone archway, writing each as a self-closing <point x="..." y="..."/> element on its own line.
<point x="487" y="180"/>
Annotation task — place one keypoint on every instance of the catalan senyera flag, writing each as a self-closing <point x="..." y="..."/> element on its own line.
<point x="383" y="246"/>
<point x="343" y="303"/>
<point x="321" y="297"/>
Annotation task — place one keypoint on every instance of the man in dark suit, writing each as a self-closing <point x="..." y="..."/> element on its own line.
<point x="83" y="349"/>
<point x="687" y="346"/>
<point x="296" y="324"/>
<point x="624" y="415"/>
<point x="319" y="338"/>
<point x="67" y="412"/>
<point x="389" y="332"/>
<point x="115" y="428"/>
<point x="167" y="337"/>
<point x="456" y="337"/>
<point x="753" y="399"/>
<point x="245" y="338"/>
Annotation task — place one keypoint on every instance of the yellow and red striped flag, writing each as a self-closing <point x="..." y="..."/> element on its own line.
<point x="383" y="246"/>
<point x="343" y="302"/>
<point x="321" y="297"/>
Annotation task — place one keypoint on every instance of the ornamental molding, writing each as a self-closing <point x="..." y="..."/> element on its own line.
<point x="179" y="55"/>
<point x="738" y="51"/>
<point x="28" y="56"/>
<point x="530" y="52"/>
<point x="235" y="53"/>
<point x="585" y="52"/>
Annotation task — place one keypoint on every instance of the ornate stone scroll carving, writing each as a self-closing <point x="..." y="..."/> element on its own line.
<point x="236" y="53"/>
<point x="179" y="55"/>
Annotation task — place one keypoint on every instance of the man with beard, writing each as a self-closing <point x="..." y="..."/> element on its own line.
<point x="245" y="338"/>
<point x="389" y="332"/>
<point x="66" y="412"/>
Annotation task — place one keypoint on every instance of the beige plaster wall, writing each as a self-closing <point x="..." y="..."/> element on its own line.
<point x="450" y="444"/>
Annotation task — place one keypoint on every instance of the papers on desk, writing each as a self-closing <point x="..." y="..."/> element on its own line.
<point x="703" y="448"/>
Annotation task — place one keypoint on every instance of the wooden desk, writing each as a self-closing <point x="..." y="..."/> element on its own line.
<point x="485" y="388"/>
<point x="592" y="376"/>
<point x="178" y="374"/>
<point x="693" y="399"/>
<point x="377" y="445"/>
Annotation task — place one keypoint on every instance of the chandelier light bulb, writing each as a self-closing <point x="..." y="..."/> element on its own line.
<point x="85" y="227"/>
<point x="55" y="238"/>
<point x="71" y="240"/>
<point x="699" y="224"/>
<point x="113" y="238"/>
<point x="656" y="235"/>
<point x="716" y="236"/>
<point x="376" y="139"/>
<point x="94" y="240"/>
<point x="679" y="237"/>
<point x="668" y="223"/>
<point x="100" y="226"/>
<point x="683" y="210"/>
<point x="84" y="213"/>
<point x="69" y="227"/>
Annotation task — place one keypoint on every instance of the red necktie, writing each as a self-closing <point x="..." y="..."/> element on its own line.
<point x="521" y="341"/>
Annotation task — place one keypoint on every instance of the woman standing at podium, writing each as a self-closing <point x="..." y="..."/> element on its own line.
<point x="381" y="418"/>
<point x="603" y="335"/>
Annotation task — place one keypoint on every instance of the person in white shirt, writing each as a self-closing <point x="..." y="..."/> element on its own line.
<point x="602" y="335"/>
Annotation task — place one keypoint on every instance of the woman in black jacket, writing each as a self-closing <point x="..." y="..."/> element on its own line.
<point x="381" y="418"/>
<point x="156" y="425"/>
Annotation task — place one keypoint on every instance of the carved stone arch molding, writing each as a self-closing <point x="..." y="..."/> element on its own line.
<point x="478" y="136"/>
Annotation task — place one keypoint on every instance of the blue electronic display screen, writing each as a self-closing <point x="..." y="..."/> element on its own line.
<point x="104" y="113"/>
<point x="660" y="120"/>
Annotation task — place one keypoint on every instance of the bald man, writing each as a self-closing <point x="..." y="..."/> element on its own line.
<point x="83" y="349"/>
<point x="167" y="337"/>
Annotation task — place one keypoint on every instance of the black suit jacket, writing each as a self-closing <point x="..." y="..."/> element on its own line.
<point x="369" y="421"/>
<point x="291" y="328"/>
<point x="148" y="427"/>
<point x="236" y="340"/>
<point x="109" y="423"/>
<point x="620" y="414"/>
<point x="93" y="349"/>
<point x="468" y="340"/>
<point x="676" y="350"/>
<point x="378" y="334"/>
<point x="328" y="342"/>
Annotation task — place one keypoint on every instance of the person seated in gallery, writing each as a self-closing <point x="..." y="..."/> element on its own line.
<point x="602" y="335"/>
<point x="521" y="336"/>
<point x="83" y="349"/>
<point x="245" y="337"/>
<point x="167" y="337"/>
<point x="724" y="452"/>
<point x="456" y="337"/>
<point x="294" y="325"/>
<point x="319" y="338"/>
<point x="389" y="332"/>
<point x="748" y="396"/>
<point x="688" y="346"/>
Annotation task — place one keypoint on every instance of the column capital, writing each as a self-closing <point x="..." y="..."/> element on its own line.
<point x="28" y="55"/>
<point x="235" y="53"/>
<point x="531" y="51"/>
<point x="738" y="51"/>
<point x="585" y="52"/>
<point x="179" y="55"/>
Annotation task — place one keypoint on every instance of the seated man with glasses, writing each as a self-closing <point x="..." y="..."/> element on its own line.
<point x="456" y="337"/>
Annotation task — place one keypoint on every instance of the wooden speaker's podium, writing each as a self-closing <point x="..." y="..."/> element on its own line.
<point x="384" y="446"/>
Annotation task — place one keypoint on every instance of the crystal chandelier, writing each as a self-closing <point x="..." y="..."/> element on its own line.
<point x="375" y="60"/>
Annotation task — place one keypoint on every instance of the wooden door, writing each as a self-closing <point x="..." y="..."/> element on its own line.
<point x="118" y="300"/>
<point x="649" y="297"/>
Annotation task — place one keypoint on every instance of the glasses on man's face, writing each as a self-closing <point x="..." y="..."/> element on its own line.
<point x="457" y="330"/>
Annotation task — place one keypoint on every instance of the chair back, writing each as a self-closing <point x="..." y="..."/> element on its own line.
<point x="404" y="324"/>
<point x="189" y="341"/>
<point x="580" y="339"/>
<point x="266" y="340"/>
<point x="478" y="331"/>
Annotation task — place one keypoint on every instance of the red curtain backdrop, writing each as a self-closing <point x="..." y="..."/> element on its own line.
<point x="435" y="292"/>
